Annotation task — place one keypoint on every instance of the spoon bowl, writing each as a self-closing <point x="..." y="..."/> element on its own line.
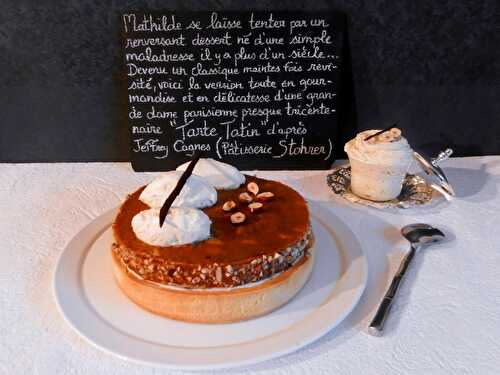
<point x="421" y="234"/>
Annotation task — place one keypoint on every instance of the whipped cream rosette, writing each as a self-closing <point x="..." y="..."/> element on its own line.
<point x="387" y="148"/>
<point x="196" y="193"/>
<point x="182" y="225"/>
<point x="219" y="175"/>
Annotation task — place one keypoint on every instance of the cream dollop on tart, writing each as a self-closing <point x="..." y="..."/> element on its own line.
<point x="183" y="225"/>
<point x="196" y="193"/>
<point x="218" y="174"/>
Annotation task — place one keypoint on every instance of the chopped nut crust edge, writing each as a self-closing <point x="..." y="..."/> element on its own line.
<point x="155" y="269"/>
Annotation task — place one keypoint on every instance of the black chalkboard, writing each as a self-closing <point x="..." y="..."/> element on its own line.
<point x="257" y="89"/>
<point x="434" y="68"/>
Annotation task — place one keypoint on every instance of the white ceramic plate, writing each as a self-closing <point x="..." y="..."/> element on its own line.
<point x="95" y="307"/>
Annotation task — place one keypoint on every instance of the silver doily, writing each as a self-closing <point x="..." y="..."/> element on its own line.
<point x="415" y="192"/>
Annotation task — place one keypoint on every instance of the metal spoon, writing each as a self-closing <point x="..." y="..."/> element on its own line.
<point x="419" y="235"/>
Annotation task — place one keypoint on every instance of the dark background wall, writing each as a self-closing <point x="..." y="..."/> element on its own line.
<point x="433" y="66"/>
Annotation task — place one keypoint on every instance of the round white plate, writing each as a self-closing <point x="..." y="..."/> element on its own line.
<point x="92" y="303"/>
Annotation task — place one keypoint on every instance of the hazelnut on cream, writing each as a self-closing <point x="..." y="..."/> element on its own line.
<point x="228" y="206"/>
<point x="245" y="197"/>
<point x="238" y="218"/>
<point x="255" y="206"/>
<point x="265" y="196"/>
<point x="253" y="188"/>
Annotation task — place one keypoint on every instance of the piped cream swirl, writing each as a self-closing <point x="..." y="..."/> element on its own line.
<point x="181" y="226"/>
<point x="218" y="174"/>
<point x="196" y="193"/>
<point x="387" y="148"/>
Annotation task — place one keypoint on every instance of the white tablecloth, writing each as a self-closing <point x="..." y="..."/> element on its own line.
<point x="446" y="319"/>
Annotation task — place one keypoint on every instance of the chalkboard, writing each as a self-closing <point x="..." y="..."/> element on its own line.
<point x="257" y="89"/>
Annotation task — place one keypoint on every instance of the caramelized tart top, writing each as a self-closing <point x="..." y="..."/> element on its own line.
<point x="282" y="221"/>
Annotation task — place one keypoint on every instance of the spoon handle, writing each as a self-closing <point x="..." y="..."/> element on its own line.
<point x="377" y="325"/>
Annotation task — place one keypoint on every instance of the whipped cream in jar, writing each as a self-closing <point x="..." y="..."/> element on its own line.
<point x="379" y="164"/>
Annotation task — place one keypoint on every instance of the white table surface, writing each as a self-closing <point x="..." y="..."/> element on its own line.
<point x="446" y="319"/>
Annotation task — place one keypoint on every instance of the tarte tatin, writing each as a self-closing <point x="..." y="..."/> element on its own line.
<point x="243" y="270"/>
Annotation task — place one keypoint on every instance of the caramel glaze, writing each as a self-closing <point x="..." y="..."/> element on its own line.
<point x="281" y="223"/>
